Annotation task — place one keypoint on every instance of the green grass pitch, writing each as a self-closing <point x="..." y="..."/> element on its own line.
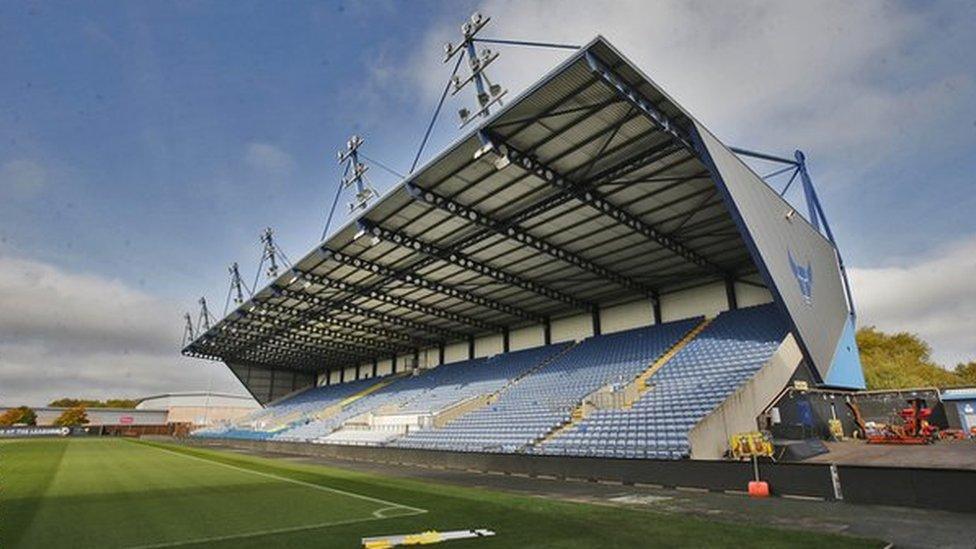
<point x="119" y="493"/>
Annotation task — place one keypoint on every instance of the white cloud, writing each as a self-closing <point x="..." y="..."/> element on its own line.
<point x="19" y="178"/>
<point x="268" y="158"/>
<point x="933" y="295"/>
<point x="850" y="82"/>
<point x="70" y="334"/>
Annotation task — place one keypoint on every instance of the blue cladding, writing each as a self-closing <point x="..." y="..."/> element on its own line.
<point x="845" y="370"/>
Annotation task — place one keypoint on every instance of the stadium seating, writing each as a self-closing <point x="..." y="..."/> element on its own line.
<point x="689" y="386"/>
<point x="293" y="409"/>
<point x="543" y="401"/>
<point x="539" y="395"/>
<point x="429" y="391"/>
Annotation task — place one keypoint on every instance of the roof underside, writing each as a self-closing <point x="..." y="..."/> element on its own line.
<point x="599" y="203"/>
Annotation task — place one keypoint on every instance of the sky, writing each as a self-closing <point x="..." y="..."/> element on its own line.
<point x="145" y="145"/>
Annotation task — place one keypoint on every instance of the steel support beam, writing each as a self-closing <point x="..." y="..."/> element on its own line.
<point x="414" y="279"/>
<point x="522" y="236"/>
<point x="229" y="332"/>
<point x="315" y="343"/>
<point x="370" y="293"/>
<point x="461" y="260"/>
<point x="637" y="99"/>
<point x="595" y="199"/>
<point x="254" y="332"/>
<point x="376" y="315"/>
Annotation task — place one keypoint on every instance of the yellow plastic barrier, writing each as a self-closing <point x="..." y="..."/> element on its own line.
<point x="752" y="444"/>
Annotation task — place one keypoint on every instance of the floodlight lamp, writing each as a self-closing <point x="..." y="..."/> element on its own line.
<point x="448" y="48"/>
<point x="483" y="99"/>
<point x="374" y="241"/>
<point x="476" y="18"/>
<point x="790" y="214"/>
<point x="466" y="28"/>
<point x="483" y="150"/>
<point x="464" y="114"/>
<point x="495" y="89"/>
<point x="359" y="234"/>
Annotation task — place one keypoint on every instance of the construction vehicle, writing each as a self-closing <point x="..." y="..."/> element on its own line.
<point x="915" y="427"/>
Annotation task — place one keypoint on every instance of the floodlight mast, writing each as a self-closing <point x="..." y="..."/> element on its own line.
<point x="204" y="322"/>
<point x="267" y="238"/>
<point x="236" y="284"/>
<point x="488" y="94"/>
<point x="355" y="172"/>
<point x="189" y="334"/>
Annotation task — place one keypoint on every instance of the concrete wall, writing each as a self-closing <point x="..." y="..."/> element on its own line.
<point x="365" y="370"/>
<point x="429" y="358"/>
<point x="456" y="352"/>
<point x="705" y="300"/>
<point x="572" y="328"/>
<point x="405" y="362"/>
<point x="709" y="439"/>
<point x="384" y="367"/>
<point x="627" y="316"/>
<point x="748" y="295"/>
<point x="526" y="338"/>
<point x="488" y="345"/>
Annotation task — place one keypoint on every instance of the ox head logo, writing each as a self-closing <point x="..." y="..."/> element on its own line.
<point x="804" y="277"/>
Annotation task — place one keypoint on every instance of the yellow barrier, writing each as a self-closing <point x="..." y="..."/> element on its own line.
<point x="753" y="444"/>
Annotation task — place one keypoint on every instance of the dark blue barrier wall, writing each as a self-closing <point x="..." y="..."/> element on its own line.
<point x="949" y="489"/>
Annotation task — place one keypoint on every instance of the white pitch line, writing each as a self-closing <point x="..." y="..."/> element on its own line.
<point x="389" y="504"/>
<point x="273" y="531"/>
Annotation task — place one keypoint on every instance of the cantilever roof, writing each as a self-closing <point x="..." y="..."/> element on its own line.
<point x="588" y="192"/>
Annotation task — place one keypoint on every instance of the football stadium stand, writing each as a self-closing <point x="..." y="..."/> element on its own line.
<point x="565" y="399"/>
<point x="690" y="385"/>
<point x="587" y="272"/>
<point x="540" y="403"/>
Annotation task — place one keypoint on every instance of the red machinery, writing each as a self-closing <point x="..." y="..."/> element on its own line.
<point x="915" y="428"/>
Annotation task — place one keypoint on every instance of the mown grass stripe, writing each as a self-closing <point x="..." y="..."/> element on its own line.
<point x="389" y="504"/>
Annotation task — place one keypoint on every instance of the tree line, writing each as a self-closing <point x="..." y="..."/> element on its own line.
<point x="904" y="360"/>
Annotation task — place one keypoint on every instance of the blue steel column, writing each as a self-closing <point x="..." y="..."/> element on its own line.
<point x="816" y="215"/>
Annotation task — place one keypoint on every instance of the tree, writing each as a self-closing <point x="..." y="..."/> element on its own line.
<point x="72" y="417"/>
<point x="899" y="361"/>
<point x="967" y="372"/>
<point x="21" y="415"/>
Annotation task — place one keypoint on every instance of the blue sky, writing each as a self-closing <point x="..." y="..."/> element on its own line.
<point x="144" y="146"/>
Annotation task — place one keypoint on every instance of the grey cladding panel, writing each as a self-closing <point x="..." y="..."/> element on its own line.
<point x="800" y="262"/>
<point x="266" y="385"/>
